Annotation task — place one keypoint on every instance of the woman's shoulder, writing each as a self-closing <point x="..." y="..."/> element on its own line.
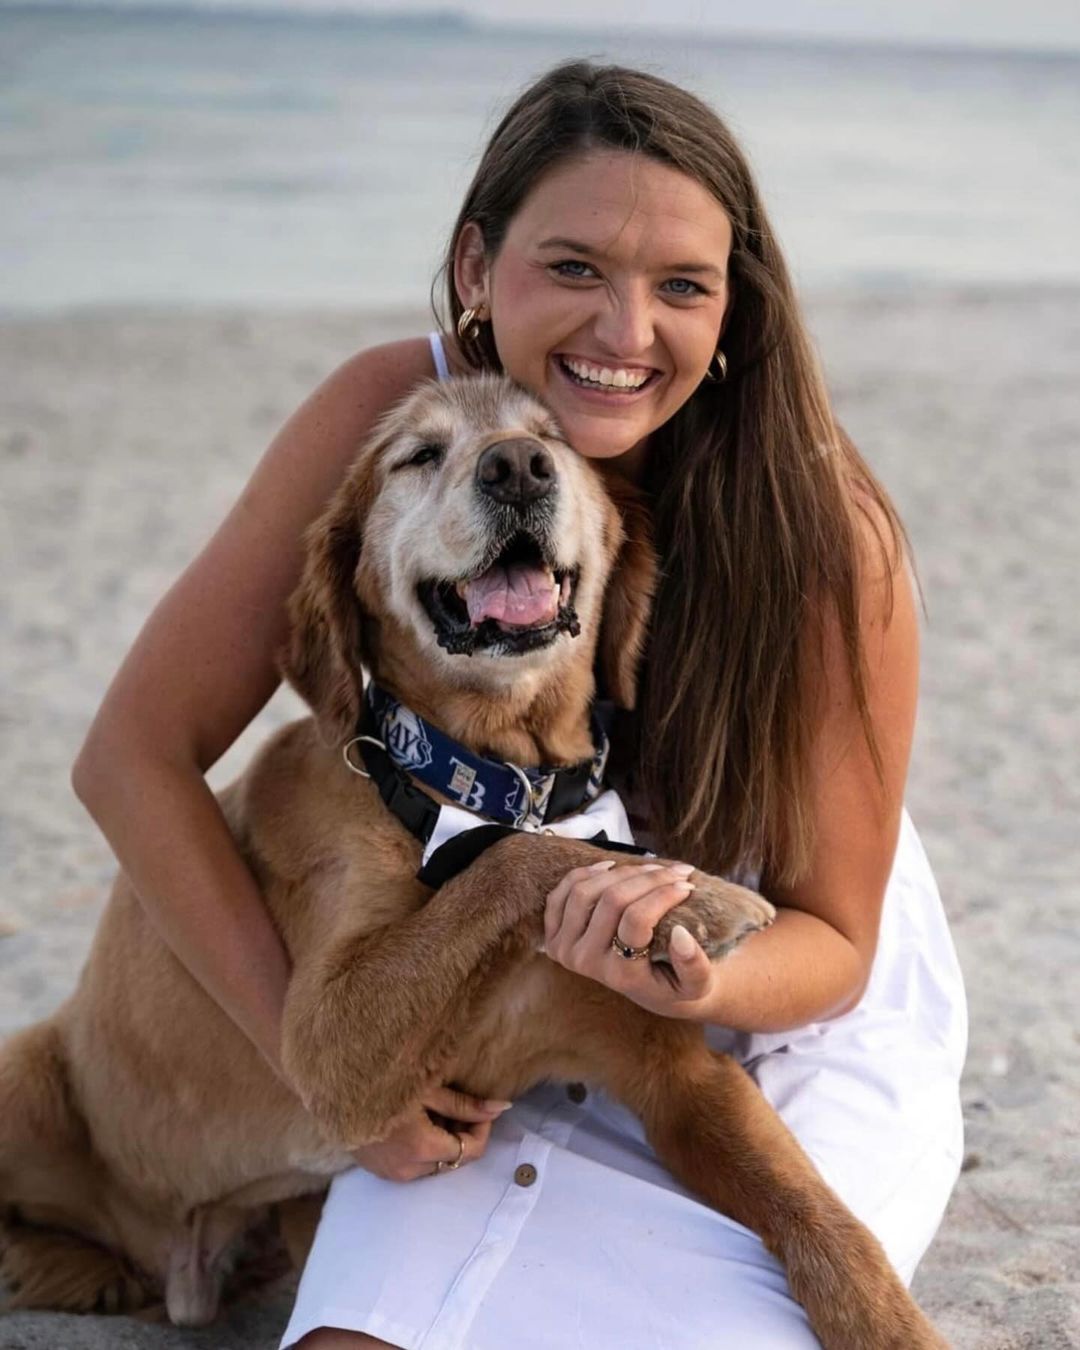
<point x="390" y="369"/>
<point x="381" y="375"/>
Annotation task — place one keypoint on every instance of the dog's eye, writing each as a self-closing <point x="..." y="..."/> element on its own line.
<point x="431" y="452"/>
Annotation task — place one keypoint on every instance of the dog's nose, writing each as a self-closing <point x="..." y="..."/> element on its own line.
<point x="516" y="472"/>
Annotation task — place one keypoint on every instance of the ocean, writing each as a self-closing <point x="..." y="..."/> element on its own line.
<point x="197" y="156"/>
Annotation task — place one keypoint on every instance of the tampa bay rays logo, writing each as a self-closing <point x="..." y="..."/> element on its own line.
<point x="405" y="736"/>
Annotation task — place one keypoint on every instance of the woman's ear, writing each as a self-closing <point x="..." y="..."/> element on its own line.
<point x="470" y="267"/>
<point x="322" y="660"/>
<point x="628" y="597"/>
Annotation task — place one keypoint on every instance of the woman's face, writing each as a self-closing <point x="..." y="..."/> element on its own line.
<point x="607" y="296"/>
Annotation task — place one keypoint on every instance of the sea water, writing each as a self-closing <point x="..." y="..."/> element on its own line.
<point x="201" y="156"/>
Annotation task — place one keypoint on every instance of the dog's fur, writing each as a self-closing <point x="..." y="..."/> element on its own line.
<point x="141" y="1134"/>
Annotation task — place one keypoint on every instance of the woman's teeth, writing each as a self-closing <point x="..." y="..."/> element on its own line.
<point x="603" y="377"/>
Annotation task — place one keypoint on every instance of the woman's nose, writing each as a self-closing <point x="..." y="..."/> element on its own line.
<point x="625" y="325"/>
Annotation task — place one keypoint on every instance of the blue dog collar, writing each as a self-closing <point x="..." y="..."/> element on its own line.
<point x="525" y="798"/>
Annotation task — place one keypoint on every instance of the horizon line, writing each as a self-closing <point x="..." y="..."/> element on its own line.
<point x="293" y="10"/>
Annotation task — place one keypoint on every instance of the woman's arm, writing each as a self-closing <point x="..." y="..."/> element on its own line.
<point x="815" y="960"/>
<point x="199" y="671"/>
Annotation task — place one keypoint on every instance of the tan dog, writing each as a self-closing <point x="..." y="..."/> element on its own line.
<point x="465" y="560"/>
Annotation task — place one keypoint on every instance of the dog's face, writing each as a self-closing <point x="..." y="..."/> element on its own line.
<point x="488" y="537"/>
<point x="470" y="539"/>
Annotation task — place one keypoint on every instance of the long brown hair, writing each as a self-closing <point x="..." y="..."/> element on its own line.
<point x="755" y="494"/>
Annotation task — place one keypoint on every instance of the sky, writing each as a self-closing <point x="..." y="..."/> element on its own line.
<point x="1037" y="24"/>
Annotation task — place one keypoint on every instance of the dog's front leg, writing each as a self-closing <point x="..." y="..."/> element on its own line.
<point x="374" y="1020"/>
<point x="714" y="1130"/>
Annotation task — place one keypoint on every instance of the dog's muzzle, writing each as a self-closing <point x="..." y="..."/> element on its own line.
<point x="521" y="597"/>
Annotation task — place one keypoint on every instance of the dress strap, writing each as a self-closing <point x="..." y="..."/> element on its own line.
<point x="438" y="355"/>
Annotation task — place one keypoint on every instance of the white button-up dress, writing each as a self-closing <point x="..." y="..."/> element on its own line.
<point x="569" y="1233"/>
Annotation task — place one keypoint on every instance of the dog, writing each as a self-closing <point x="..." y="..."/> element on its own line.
<point x="484" y="573"/>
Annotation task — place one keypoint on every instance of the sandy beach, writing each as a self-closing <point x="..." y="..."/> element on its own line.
<point x="125" y="435"/>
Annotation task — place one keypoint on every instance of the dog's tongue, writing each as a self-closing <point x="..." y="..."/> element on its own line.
<point x="522" y="595"/>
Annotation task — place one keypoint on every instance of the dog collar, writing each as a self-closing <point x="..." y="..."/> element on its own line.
<point x="404" y="740"/>
<point x="509" y="794"/>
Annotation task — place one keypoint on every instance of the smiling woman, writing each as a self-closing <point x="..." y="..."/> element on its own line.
<point x="613" y="256"/>
<point x="615" y="272"/>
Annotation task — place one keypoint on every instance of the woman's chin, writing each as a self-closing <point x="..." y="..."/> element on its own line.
<point x="602" y="438"/>
<point x="598" y="426"/>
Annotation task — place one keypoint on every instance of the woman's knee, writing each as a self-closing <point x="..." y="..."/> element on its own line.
<point x="327" y="1338"/>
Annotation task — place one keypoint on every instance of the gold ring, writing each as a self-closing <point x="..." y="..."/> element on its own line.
<point x="628" y="953"/>
<point x="443" y="1166"/>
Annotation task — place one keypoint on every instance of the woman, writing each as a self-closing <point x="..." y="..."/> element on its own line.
<point x="612" y="256"/>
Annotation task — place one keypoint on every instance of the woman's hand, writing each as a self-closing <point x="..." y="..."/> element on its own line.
<point x="592" y="905"/>
<point x="416" y="1145"/>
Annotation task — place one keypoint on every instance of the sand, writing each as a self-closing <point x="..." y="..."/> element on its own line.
<point x="125" y="435"/>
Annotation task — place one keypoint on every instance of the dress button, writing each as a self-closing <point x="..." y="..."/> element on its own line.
<point x="525" y="1175"/>
<point x="577" y="1092"/>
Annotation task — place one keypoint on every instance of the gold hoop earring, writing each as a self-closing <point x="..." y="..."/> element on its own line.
<point x="468" y="325"/>
<point x="717" y="369"/>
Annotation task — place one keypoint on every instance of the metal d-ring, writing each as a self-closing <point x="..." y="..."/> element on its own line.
<point x="372" y="740"/>
<point x="530" y="796"/>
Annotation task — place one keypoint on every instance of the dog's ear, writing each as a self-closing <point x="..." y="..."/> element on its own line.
<point x="629" y="595"/>
<point x="323" y="657"/>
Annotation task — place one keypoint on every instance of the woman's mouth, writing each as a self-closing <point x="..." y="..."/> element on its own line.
<point x="616" y="382"/>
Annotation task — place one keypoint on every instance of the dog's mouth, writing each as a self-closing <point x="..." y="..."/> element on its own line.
<point x="519" y="602"/>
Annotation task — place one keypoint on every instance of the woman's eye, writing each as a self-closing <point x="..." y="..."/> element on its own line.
<point x="683" y="286"/>
<point x="573" y="267"/>
<point x="429" y="453"/>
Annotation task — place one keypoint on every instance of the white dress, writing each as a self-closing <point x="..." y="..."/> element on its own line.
<point x="569" y="1233"/>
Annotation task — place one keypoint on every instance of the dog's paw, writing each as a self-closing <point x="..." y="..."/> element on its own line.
<point x="718" y="916"/>
<point x="42" y="1269"/>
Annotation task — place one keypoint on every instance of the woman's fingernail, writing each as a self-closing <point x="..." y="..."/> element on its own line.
<point x="497" y="1107"/>
<point x="682" y="869"/>
<point x="681" y="942"/>
<point x="651" y="867"/>
<point x="604" y="866"/>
